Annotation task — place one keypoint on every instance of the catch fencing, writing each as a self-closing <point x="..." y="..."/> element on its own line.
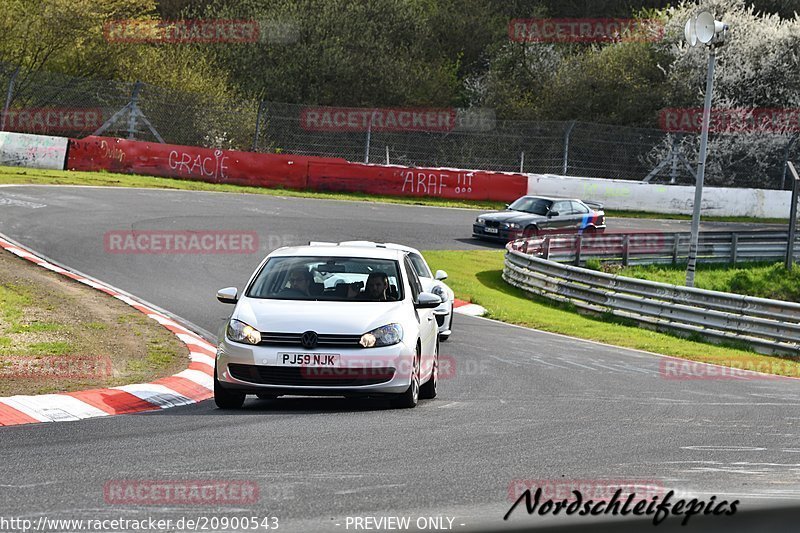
<point x="51" y="103"/>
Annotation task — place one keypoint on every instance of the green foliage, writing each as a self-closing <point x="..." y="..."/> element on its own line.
<point x="764" y="280"/>
<point x="437" y="53"/>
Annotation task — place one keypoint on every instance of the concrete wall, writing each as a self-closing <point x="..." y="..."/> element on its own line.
<point x="32" y="151"/>
<point x="659" y="198"/>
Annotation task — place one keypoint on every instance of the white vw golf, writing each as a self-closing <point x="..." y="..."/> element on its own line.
<point x="332" y="321"/>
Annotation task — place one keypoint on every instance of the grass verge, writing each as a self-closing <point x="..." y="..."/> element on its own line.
<point x="765" y="280"/>
<point x="25" y="176"/>
<point x="57" y="335"/>
<point x="476" y="276"/>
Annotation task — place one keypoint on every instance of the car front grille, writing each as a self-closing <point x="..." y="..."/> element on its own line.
<point x="310" y="376"/>
<point x="492" y="224"/>
<point x="323" y="339"/>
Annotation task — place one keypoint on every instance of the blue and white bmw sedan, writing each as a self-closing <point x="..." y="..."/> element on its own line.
<point x="333" y="321"/>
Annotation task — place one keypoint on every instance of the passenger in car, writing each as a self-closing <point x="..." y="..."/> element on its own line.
<point x="300" y="280"/>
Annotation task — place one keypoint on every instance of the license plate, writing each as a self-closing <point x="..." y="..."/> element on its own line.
<point x="491" y="230"/>
<point x="308" y="359"/>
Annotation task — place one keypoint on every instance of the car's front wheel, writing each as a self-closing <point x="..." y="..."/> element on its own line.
<point x="450" y="327"/>
<point x="530" y="232"/>
<point x="410" y="397"/>
<point x="224" y="398"/>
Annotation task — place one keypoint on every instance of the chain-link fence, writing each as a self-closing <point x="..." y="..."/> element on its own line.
<point x="56" y="104"/>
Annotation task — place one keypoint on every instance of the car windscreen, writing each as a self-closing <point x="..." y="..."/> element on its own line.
<point x="343" y="279"/>
<point x="419" y="265"/>
<point x="536" y="206"/>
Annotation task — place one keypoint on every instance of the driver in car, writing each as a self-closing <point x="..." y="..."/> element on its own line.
<point x="377" y="288"/>
<point x="300" y="280"/>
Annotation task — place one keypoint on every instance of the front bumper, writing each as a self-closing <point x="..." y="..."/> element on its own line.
<point x="255" y="370"/>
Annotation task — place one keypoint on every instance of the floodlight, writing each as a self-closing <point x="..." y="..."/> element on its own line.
<point x="690" y="32"/>
<point x="706" y="28"/>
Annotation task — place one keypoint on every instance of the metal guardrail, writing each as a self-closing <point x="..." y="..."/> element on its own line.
<point x="769" y="326"/>
<point x="659" y="247"/>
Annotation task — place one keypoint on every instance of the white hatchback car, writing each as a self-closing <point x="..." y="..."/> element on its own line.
<point x="430" y="283"/>
<point x="333" y="321"/>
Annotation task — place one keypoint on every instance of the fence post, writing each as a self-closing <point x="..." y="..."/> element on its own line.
<point x="578" y="245"/>
<point x="675" y="245"/>
<point x="734" y="247"/>
<point x="522" y="163"/>
<point x="546" y="247"/>
<point x="369" y="135"/>
<point x="786" y="151"/>
<point x="132" y="115"/>
<point x="626" y="241"/>
<point x="792" y="217"/>
<point x="259" y="116"/>
<point x="673" y="174"/>
<point x="9" y="96"/>
<point x="566" y="147"/>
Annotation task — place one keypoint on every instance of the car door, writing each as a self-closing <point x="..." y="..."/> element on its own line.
<point x="428" y="330"/>
<point x="580" y="214"/>
<point x="563" y="219"/>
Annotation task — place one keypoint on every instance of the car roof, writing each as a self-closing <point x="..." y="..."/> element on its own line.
<point x="369" y="244"/>
<point x="338" y="251"/>
<point x="549" y="198"/>
<point x="391" y="245"/>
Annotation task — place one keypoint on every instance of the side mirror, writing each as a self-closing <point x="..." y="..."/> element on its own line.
<point x="427" y="300"/>
<point x="441" y="275"/>
<point x="228" y="295"/>
<point x="508" y="205"/>
<point x="552" y="214"/>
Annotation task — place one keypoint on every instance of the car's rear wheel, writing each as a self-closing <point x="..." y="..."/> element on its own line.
<point x="589" y="230"/>
<point x="410" y="397"/>
<point x="224" y="398"/>
<point x="428" y="390"/>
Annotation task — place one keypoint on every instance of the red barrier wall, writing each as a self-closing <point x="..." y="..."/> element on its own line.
<point x="419" y="182"/>
<point x="188" y="162"/>
<point x="290" y="171"/>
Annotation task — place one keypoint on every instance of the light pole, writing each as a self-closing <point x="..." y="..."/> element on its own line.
<point x="710" y="32"/>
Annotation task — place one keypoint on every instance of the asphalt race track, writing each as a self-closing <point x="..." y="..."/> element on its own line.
<point x="521" y="404"/>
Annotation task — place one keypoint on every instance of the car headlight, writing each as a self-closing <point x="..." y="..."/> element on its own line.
<point x="238" y="331"/>
<point x="382" y="336"/>
<point x="440" y="292"/>
<point x="513" y="225"/>
<point x="480" y="220"/>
